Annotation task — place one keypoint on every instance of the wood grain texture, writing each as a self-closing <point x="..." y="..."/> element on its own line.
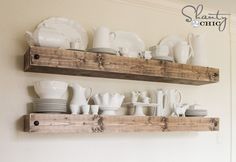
<point x="68" y="62"/>
<point x="67" y="123"/>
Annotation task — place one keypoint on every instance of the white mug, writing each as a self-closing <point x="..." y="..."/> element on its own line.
<point x="182" y="52"/>
<point x="85" y="109"/>
<point x="94" y="109"/>
<point x="103" y="37"/>
<point x="75" y="44"/>
<point x="75" y="109"/>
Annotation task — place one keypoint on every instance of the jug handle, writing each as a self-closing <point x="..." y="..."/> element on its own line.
<point x="90" y="94"/>
<point x="164" y="101"/>
<point x="180" y="96"/>
<point x="112" y="35"/>
<point x="190" y="36"/>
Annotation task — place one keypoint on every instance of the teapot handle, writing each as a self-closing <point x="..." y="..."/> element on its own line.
<point x="90" y="94"/>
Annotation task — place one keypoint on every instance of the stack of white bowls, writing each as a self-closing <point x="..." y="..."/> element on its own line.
<point x="50" y="97"/>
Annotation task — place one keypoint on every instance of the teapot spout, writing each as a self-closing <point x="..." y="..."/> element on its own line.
<point x="29" y="38"/>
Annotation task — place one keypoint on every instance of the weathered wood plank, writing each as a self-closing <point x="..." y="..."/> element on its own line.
<point x="59" y="61"/>
<point x="67" y="123"/>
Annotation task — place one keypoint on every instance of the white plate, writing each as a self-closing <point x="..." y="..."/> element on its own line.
<point x="166" y="58"/>
<point x="171" y="41"/>
<point x="103" y="50"/>
<point x="108" y="108"/>
<point x="72" y="30"/>
<point x="130" y="41"/>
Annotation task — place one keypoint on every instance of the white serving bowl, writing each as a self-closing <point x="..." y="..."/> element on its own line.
<point x="108" y="102"/>
<point x="50" y="89"/>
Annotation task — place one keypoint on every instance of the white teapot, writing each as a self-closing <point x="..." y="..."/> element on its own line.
<point x="47" y="37"/>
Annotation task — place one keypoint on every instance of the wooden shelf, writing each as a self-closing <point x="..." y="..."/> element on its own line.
<point x="67" y="123"/>
<point x="68" y="62"/>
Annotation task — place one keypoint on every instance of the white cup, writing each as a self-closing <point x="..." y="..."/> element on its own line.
<point x="94" y="109"/>
<point x="85" y="109"/>
<point x="103" y="37"/>
<point x="75" y="45"/>
<point x="182" y="52"/>
<point x="75" y="109"/>
<point x="146" y="100"/>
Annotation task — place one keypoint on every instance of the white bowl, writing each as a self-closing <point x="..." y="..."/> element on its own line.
<point x="108" y="102"/>
<point x="50" y="89"/>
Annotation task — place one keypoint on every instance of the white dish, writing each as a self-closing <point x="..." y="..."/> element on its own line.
<point x="103" y="50"/>
<point x="196" y="112"/>
<point x="171" y="41"/>
<point x="49" y="100"/>
<point x="165" y="58"/>
<point x="47" y="89"/>
<point x="106" y="110"/>
<point x="128" y="44"/>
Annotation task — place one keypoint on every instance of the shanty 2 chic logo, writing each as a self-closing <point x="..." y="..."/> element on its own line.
<point x="195" y="16"/>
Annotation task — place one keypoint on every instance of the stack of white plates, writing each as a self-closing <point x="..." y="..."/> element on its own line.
<point x="196" y="113"/>
<point x="49" y="105"/>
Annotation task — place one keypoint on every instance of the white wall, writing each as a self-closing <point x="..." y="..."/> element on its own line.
<point x="151" y="21"/>
<point x="233" y="79"/>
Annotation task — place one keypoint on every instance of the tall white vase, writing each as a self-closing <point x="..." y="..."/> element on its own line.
<point x="197" y="42"/>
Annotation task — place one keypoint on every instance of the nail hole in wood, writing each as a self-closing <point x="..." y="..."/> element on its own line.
<point x="36" y="123"/>
<point x="36" y="56"/>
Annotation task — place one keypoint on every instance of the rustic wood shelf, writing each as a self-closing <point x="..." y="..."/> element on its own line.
<point x="67" y="123"/>
<point x="68" y="62"/>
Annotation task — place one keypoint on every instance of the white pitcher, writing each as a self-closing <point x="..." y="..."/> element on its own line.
<point x="182" y="52"/>
<point x="197" y="43"/>
<point x="79" y="97"/>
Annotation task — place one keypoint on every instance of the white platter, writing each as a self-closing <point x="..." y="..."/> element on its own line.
<point x="129" y="41"/>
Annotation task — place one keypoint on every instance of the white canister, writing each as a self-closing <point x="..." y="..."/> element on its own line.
<point x="103" y="37"/>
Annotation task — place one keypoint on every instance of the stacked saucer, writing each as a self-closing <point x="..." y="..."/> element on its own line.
<point x="196" y="113"/>
<point x="49" y="105"/>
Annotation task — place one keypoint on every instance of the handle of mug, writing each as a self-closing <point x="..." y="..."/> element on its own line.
<point x="112" y="35"/>
<point x="90" y="94"/>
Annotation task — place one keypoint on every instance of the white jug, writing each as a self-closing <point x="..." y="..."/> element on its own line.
<point x="197" y="43"/>
<point x="182" y="52"/>
<point x="79" y="96"/>
<point x="166" y="100"/>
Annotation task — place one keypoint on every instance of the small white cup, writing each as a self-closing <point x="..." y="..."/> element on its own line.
<point x="75" y="109"/>
<point x="94" y="109"/>
<point x="85" y="109"/>
<point x="75" y="45"/>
